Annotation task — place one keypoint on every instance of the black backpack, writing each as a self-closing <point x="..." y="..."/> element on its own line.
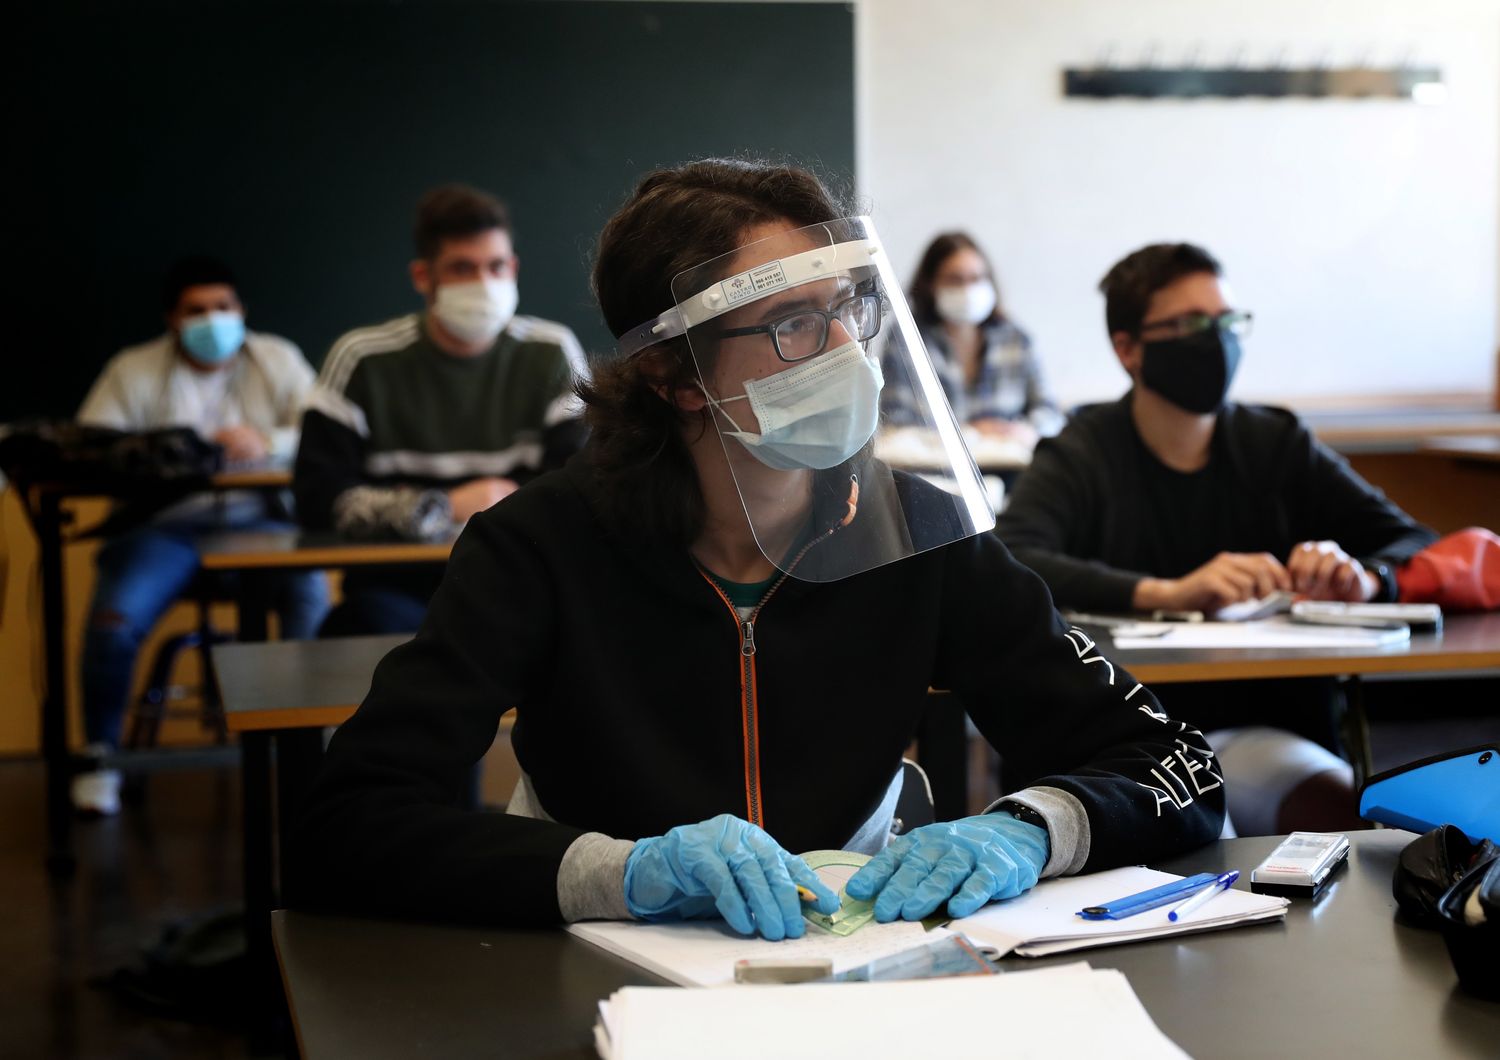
<point x="174" y="458"/>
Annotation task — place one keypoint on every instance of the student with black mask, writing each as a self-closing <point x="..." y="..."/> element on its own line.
<point x="1173" y="497"/>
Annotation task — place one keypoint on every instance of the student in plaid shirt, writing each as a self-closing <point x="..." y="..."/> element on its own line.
<point x="984" y="360"/>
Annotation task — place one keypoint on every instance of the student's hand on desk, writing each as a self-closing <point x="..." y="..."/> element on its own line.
<point x="474" y="497"/>
<point x="1323" y="571"/>
<point x="1226" y="579"/>
<point x="725" y="867"/>
<point x="242" y="444"/>
<point x="965" y="863"/>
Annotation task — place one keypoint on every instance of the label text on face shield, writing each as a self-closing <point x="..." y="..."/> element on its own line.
<point x="754" y="282"/>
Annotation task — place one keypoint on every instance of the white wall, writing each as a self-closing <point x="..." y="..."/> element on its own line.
<point x="1363" y="234"/>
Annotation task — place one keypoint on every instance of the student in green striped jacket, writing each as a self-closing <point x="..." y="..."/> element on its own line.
<point x="418" y="423"/>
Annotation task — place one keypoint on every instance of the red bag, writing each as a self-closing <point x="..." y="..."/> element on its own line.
<point x="1460" y="572"/>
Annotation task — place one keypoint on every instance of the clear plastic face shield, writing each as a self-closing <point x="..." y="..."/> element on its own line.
<point x="800" y="340"/>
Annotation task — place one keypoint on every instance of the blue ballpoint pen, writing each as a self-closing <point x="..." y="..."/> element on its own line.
<point x="1221" y="884"/>
<point x="1132" y="904"/>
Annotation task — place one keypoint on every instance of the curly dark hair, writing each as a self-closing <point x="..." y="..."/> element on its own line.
<point x="675" y="219"/>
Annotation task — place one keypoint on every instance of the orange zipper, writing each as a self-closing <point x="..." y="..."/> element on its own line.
<point x="749" y="702"/>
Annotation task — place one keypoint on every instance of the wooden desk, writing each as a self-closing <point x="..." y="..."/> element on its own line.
<point x="1399" y="431"/>
<point x="1467" y="643"/>
<point x="1339" y="978"/>
<point x="296" y="684"/>
<point x="1484" y="449"/>
<point x="270" y="476"/>
<point x="917" y="449"/>
<point x="297" y="550"/>
<point x="278" y="696"/>
<point x="46" y="505"/>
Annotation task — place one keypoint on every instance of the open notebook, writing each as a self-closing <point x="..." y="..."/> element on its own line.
<point x="1046" y="921"/>
<point x="1043" y="921"/>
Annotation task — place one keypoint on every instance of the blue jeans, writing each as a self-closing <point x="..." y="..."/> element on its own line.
<point x="141" y="574"/>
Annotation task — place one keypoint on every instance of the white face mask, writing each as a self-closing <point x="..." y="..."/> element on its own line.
<point x="970" y="304"/>
<point x="816" y="414"/>
<point x="476" y="311"/>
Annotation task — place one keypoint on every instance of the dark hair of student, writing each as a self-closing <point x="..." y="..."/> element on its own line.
<point x="1128" y="287"/>
<point x="923" y="295"/>
<point x="455" y="211"/>
<point x="193" y="271"/>
<point x="675" y="219"/>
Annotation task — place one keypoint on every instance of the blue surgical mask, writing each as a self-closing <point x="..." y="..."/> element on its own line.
<point x="816" y="414"/>
<point x="213" y="338"/>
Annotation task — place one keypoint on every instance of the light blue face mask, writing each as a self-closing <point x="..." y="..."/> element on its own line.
<point x="213" y="338"/>
<point x="814" y="415"/>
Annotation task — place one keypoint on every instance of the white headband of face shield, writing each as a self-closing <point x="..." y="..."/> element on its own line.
<point x="741" y="289"/>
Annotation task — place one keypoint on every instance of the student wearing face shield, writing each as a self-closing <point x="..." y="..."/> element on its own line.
<point x="719" y="623"/>
<point x="1174" y="497"/>
<point x="418" y="423"/>
<point x="988" y="368"/>
<point x="242" y="389"/>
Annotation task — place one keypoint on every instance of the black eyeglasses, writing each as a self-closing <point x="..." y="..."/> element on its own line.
<point x="803" y="334"/>
<point x="1234" y="322"/>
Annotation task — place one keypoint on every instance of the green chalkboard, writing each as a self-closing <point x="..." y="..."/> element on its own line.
<point x="293" y="139"/>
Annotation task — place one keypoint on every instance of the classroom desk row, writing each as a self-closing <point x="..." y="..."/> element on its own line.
<point x="47" y="508"/>
<point x="1341" y="977"/>
<point x="1470" y="440"/>
<point x="279" y="696"/>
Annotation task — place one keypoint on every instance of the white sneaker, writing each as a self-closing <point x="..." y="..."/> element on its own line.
<point x="97" y="793"/>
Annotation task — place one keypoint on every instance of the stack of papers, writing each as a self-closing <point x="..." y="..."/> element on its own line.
<point x="1046" y="921"/>
<point x="1275" y="633"/>
<point x="1022" y="1014"/>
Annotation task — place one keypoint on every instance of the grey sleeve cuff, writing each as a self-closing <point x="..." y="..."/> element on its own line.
<point x="591" y="878"/>
<point x="1067" y="826"/>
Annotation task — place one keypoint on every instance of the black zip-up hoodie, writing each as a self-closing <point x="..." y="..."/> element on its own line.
<point x="641" y="706"/>
<point x="1081" y="517"/>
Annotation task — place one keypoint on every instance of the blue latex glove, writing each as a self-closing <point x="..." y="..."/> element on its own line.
<point x="723" y="867"/>
<point x="965" y="863"/>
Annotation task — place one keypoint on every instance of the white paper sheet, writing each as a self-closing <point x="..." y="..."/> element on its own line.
<point x="1046" y="920"/>
<point x="703" y="952"/>
<point x="1021" y="1015"/>
<point x="1270" y="633"/>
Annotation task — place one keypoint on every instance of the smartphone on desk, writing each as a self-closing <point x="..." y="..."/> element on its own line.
<point x="1334" y="612"/>
<point x="1319" y="618"/>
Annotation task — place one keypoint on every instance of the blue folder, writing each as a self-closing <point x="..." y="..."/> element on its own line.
<point x="1460" y="788"/>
